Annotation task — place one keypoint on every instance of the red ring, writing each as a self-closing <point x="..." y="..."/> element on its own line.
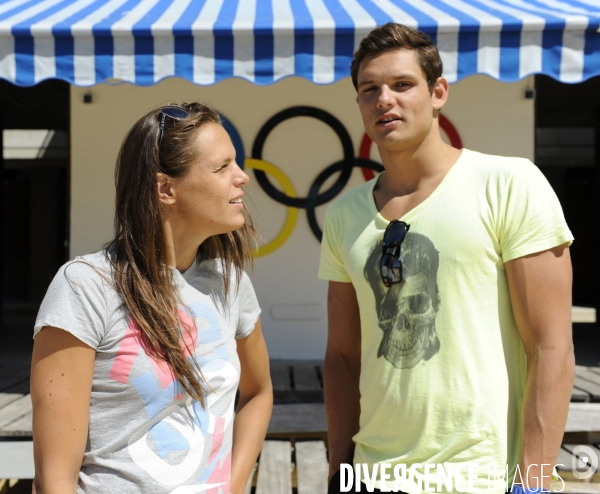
<point x="451" y="132"/>
<point x="365" y="153"/>
<point x="446" y="126"/>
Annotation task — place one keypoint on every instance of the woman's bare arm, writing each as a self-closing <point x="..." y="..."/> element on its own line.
<point x="62" y="369"/>
<point x="254" y="407"/>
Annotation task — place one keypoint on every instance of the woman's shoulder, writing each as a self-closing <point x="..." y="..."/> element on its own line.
<point x="92" y="268"/>
<point x="89" y="276"/>
<point x="80" y="299"/>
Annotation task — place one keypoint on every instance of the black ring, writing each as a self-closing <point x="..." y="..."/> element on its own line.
<point x="320" y="180"/>
<point x="346" y="164"/>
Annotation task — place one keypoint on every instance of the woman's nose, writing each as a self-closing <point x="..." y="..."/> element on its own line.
<point x="242" y="178"/>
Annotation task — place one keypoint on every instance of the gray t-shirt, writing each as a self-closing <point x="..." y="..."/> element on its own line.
<point x="146" y="435"/>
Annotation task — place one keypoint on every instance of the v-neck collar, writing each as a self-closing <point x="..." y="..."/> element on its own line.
<point x="411" y="214"/>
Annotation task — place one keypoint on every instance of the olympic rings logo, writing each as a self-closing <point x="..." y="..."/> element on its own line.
<point x="315" y="197"/>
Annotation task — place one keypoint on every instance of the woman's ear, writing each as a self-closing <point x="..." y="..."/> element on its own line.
<point x="166" y="190"/>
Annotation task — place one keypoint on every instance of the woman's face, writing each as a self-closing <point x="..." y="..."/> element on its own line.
<point x="208" y="200"/>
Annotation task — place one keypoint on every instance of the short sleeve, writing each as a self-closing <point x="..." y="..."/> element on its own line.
<point x="248" y="306"/>
<point x="75" y="302"/>
<point x="532" y="219"/>
<point x="331" y="266"/>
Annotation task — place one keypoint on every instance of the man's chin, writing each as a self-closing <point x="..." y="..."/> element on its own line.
<point x="394" y="142"/>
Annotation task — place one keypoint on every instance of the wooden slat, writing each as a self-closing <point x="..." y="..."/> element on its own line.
<point x="571" y="447"/>
<point x="583" y="417"/>
<point x="280" y="377"/>
<point x="6" y="398"/>
<point x="298" y="417"/>
<point x="564" y="461"/>
<point x="311" y="467"/>
<point x="580" y="396"/>
<point x="248" y="488"/>
<point x="595" y="370"/>
<point x="14" y="411"/>
<point x="587" y="374"/>
<point x="306" y="381"/>
<point x="576" y="487"/>
<point x="275" y="468"/>
<point x="21" y="427"/>
<point x="592" y="388"/>
<point x="583" y="314"/>
<point x="16" y="460"/>
<point x="13" y="374"/>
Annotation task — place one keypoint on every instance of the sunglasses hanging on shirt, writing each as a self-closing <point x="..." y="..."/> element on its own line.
<point x="391" y="266"/>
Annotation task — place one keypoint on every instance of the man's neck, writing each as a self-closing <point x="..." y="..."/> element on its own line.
<point x="411" y="177"/>
<point x="408" y="170"/>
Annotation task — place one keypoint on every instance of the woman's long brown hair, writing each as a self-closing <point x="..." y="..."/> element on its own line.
<point x="138" y="251"/>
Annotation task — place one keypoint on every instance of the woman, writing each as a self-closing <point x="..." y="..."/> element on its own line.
<point x="139" y="348"/>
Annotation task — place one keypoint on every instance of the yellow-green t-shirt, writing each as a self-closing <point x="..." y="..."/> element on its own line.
<point x="443" y="369"/>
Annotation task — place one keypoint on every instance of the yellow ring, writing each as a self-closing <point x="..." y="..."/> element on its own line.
<point x="292" y="214"/>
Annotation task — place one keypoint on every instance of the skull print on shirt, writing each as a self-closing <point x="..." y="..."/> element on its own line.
<point x="407" y="311"/>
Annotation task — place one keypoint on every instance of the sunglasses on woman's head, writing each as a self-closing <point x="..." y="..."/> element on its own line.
<point x="175" y="112"/>
<point x="391" y="266"/>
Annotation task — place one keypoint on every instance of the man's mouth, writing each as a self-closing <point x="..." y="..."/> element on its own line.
<point x="236" y="201"/>
<point x="387" y="120"/>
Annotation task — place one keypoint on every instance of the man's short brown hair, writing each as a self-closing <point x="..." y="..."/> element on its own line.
<point x="392" y="36"/>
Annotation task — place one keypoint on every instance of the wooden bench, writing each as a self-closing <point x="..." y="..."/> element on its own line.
<point x="297" y="380"/>
<point x="587" y="384"/>
<point x="286" y="465"/>
<point x="294" y="455"/>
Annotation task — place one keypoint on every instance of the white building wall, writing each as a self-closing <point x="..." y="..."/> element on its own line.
<point x="490" y="117"/>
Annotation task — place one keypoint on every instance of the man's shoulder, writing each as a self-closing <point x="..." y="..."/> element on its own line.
<point x="495" y="165"/>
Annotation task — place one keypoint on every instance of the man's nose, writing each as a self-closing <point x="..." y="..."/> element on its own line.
<point x="385" y="96"/>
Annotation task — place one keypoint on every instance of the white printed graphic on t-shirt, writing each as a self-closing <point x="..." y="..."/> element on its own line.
<point x="176" y="425"/>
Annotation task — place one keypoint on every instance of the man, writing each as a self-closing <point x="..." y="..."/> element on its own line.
<point x="449" y="331"/>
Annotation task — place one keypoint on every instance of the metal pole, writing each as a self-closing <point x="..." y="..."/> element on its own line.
<point x="2" y="223"/>
<point x="597" y="204"/>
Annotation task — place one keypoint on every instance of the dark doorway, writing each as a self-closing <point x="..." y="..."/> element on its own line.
<point x="567" y="153"/>
<point x="35" y="173"/>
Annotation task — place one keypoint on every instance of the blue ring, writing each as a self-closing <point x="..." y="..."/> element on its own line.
<point x="235" y="139"/>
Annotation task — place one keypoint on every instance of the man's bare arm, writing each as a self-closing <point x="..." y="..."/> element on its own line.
<point x="540" y="293"/>
<point x="341" y="372"/>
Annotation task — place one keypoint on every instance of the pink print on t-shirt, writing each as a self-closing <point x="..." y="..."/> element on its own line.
<point x="221" y="473"/>
<point x="134" y="341"/>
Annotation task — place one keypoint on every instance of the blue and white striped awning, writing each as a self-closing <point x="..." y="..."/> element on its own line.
<point x="86" y="42"/>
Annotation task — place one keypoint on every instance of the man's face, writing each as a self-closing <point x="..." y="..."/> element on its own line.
<point x="394" y="100"/>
